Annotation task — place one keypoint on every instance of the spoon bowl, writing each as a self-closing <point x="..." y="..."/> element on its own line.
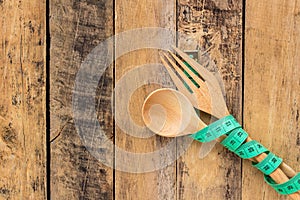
<point x="168" y="113"/>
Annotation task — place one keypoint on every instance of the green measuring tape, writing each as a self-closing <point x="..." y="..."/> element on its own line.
<point x="235" y="142"/>
<point x="269" y="164"/>
<point x="250" y="149"/>
<point x="235" y="139"/>
<point x="289" y="187"/>
<point x="216" y="129"/>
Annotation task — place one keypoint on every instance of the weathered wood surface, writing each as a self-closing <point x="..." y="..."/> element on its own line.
<point x="130" y="15"/>
<point x="272" y="85"/>
<point x="22" y="100"/>
<point x="271" y="96"/>
<point x="77" y="27"/>
<point x="214" y="27"/>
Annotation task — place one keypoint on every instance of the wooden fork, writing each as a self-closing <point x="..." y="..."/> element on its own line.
<point x="204" y="92"/>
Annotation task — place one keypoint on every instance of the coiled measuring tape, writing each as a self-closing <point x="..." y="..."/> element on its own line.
<point x="235" y="142"/>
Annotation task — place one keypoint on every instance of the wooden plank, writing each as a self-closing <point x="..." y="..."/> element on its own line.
<point x="22" y="100"/>
<point x="155" y="184"/>
<point x="77" y="27"/>
<point x="272" y="75"/>
<point x="214" y="27"/>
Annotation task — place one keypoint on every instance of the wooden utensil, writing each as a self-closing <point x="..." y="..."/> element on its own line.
<point x="207" y="96"/>
<point x="169" y="113"/>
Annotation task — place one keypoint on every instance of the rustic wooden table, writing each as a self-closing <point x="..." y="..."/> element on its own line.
<point x="254" y="44"/>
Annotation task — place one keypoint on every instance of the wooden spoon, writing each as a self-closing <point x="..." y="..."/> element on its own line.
<point x="168" y="113"/>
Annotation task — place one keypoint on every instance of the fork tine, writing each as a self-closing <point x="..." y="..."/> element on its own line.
<point x="211" y="101"/>
<point x="179" y="84"/>
<point x="198" y="80"/>
<point x="202" y="93"/>
<point x="188" y="81"/>
<point x="204" y="73"/>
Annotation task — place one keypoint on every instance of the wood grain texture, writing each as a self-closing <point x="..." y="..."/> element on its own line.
<point x="214" y="27"/>
<point x="22" y="100"/>
<point x="159" y="184"/>
<point x="272" y="74"/>
<point x="77" y="27"/>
